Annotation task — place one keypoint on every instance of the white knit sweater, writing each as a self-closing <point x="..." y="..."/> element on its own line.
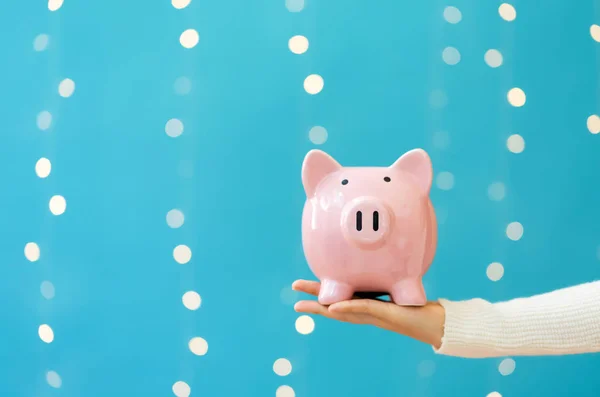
<point x="565" y="321"/>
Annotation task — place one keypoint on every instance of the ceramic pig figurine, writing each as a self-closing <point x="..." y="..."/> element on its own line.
<point x="369" y="229"/>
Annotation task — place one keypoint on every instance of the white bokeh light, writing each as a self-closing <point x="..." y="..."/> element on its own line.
<point x="441" y="140"/>
<point x="445" y="180"/>
<point x="174" y="128"/>
<point x="175" y="218"/>
<point x="313" y="84"/>
<point x="452" y="15"/>
<point x="54" y="5"/>
<point x="41" y="41"/>
<point x="189" y="38"/>
<point x="298" y="44"/>
<point x="318" y="135"/>
<point x="595" y="32"/>
<point x="44" y="120"/>
<point x="47" y="290"/>
<point x="198" y="346"/>
<point x="182" y="85"/>
<point x="494" y="394"/>
<point x="181" y="389"/>
<point x="282" y="367"/>
<point x="495" y="271"/>
<point x="182" y="254"/>
<point x="438" y="99"/>
<point x="32" y="252"/>
<point x="593" y="124"/>
<point x="285" y="391"/>
<point x="43" y="167"/>
<point x="305" y="324"/>
<point x="46" y="334"/>
<point x="66" y="88"/>
<point x="451" y="55"/>
<point x="507" y="12"/>
<point x="496" y="191"/>
<point x="180" y="4"/>
<point x="493" y="58"/>
<point x="507" y="366"/>
<point x="514" y="231"/>
<point x="53" y="379"/>
<point x="57" y="205"/>
<point x="294" y="5"/>
<point x="515" y="143"/>
<point x="516" y="97"/>
<point x="191" y="300"/>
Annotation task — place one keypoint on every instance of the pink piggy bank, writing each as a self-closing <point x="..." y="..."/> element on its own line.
<point x="369" y="229"/>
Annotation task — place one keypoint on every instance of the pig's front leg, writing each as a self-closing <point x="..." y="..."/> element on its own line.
<point x="409" y="292"/>
<point x="334" y="291"/>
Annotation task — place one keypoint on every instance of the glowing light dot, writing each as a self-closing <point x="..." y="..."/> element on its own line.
<point x="174" y="128"/>
<point x="175" y="218"/>
<point x="53" y="379"/>
<point x="317" y="135"/>
<point x="46" y="334"/>
<point x="47" y="290"/>
<point x="451" y="55"/>
<point x="496" y="191"/>
<point x="57" y="205"/>
<point x="507" y="366"/>
<point x="515" y="143"/>
<point x="182" y="85"/>
<point x="66" y="88"/>
<point x="54" y="5"/>
<point x="191" y="300"/>
<point x="285" y="391"/>
<point x="198" y="346"/>
<point x="182" y="254"/>
<point x="514" y="231"/>
<point x="595" y="32"/>
<point x="445" y="180"/>
<point x="181" y="389"/>
<point x="313" y="84"/>
<point x="305" y="325"/>
<point x="493" y="58"/>
<point x="452" y="15"/>
<point x="43" y="167"/>
<point x="32" y="252"/>
<point x="495" y="271"/>
<point x="40" y="43"/>
<point x="180" y="4"/>
<point x="44" y="120"/>
<point x="516" y="97"/>
<point x="298" y="44"/>
<point x="507" y="12"/>
<point x="294" y="5"/>
<point x="189" y="38"/>
<point x="282" y="367"/>
<point x="494" y="394"/>
<point x="593" y="124"/>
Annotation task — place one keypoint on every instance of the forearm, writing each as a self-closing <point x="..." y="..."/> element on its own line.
<point x="566" y="321"/>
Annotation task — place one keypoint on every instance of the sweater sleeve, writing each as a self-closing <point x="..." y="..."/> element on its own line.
<point x="565" y="321"/>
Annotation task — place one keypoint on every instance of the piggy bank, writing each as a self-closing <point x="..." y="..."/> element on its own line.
<point x="369" y="229"/>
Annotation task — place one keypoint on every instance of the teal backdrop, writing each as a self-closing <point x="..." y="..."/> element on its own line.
<point x="113" y="289"/>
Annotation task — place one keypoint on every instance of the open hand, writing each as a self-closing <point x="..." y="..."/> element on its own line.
<point x="425" y="323"/>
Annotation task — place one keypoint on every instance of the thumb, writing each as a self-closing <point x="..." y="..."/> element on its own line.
<point x="370" y="307"/>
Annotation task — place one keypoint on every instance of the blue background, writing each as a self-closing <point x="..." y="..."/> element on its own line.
<point x="120" y="327"/>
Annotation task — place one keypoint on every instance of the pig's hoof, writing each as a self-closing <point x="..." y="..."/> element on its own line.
<point x="333" y="291"/>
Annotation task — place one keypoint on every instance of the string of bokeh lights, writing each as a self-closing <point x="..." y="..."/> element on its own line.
<point x="182" y="254"/>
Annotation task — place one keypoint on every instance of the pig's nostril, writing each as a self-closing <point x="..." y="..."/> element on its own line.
<point x="359" y="221"/>
<point x="375" y="220"/>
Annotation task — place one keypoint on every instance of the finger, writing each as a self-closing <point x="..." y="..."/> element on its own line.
<point x="313" y="307"/>
<point x="371" y="307"/>
<point x="309" y="287"/>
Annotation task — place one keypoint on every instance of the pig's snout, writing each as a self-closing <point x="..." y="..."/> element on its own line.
<point x="366" y="222"/>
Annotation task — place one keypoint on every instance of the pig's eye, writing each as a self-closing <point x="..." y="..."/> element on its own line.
<point x="387" y="179"/>
<point x="345" y="182"/>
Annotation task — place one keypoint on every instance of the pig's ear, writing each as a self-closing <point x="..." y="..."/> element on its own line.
<point x="417" y="163"/>
<point x="316" y="166"/>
